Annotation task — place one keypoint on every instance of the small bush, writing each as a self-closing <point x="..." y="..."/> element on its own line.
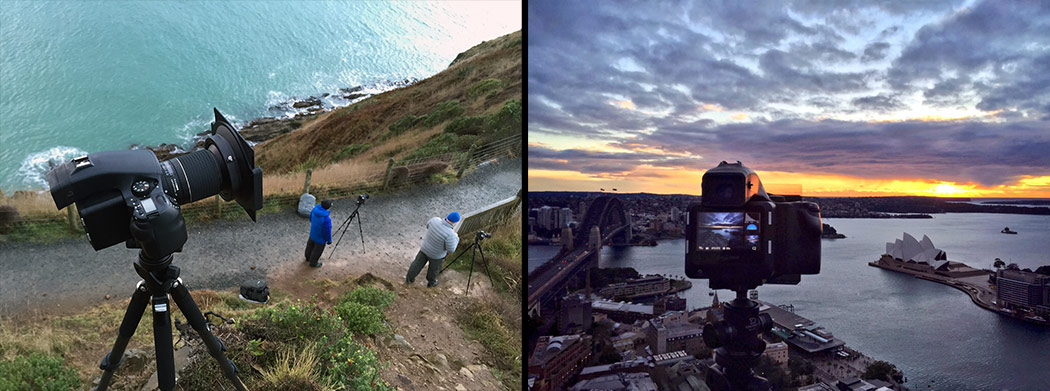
<point x="464" y="71"/>
<point x="513" y="43"/>
<point x="354" y="366"/>
<point x="404" y="123"/>
<point x="487" y="87"/>
<point x="483" y="324"/>
<point x="351" y="150"/>
<point x="360" y="318"/>
<point x="443" y="143"/>
<point x="376" y="297"/>
<point x="507" y="119"/>
<point x="443" y="112"/>
<point x="38" y="372"/>
<point x="295" y="370"/>
<point x="467" y="125"/>
<point x="290" y="322"/>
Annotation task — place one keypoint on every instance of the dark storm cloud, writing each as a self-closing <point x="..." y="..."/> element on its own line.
<point x="986" y="153"/>
<point x="880" y="102"/>
<point x="676" y="61"/>
<point x="875" y="51"/>
<point x="1007" y="44"/>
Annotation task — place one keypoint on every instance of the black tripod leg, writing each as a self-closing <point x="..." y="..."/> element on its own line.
<point x="162" y="344"/>
<point x="485" y="263"/>
<point x="454" y="260"/>
<point x="361" y="231"/>
<point x="473" y="254"/>
<point x="193" y="315"/>
<point x="132" y="316"/>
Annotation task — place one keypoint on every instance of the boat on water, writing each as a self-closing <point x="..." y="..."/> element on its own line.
<point x="1008" y="231"/>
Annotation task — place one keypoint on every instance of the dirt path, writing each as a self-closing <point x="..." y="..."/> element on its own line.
<point x="65" y="276"/>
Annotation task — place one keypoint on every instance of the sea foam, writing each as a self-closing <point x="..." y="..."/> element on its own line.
<point x="36" y="165"/>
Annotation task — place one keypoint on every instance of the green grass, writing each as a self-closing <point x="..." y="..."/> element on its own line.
<point x="38" y="372"/>
<point x="485" y="325"/>
<point x="47" y="230"/>
<point x="443" y="112"/>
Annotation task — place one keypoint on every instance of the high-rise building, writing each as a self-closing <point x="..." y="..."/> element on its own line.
<point x="545" y="217"/>
<point x="565" y="218"/>
<point x="556" y="359"/>
<point x="675" y="214"/>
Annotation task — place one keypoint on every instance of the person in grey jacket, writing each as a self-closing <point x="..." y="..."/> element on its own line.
<point x="439" y="241"/>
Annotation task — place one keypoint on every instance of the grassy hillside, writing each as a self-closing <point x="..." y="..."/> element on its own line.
<point x="477" y="99"/>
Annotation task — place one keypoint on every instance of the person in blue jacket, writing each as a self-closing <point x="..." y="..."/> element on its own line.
<point x="320" y="232"/>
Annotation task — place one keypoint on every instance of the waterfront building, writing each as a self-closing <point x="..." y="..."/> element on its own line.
<point x="557" y="358"/>
<point x="800" y="332"/>
<point x="922" y="256"/>
<point x="638" y="287"/>
<point x="1023" y="290"/>
<point x="778" y="352"/>
<point x="622" y="312"/>
<point x="672" y="332"/>
<point x="617" y="382"/>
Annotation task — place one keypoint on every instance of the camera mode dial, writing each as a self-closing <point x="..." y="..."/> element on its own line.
<point x="141" y="188"/>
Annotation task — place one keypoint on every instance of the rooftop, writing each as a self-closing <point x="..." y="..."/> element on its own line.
<point x="606" y="305"/>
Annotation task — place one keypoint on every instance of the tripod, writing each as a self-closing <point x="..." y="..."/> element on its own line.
<point x="738" y="346"/>
<point x="475" y="249"/>
<point x="159" y="279"/>
<point x="346" y="224"/>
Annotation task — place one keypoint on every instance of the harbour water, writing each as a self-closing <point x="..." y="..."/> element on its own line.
<point x="933" y="332"/>
<point x="87" y="76"/>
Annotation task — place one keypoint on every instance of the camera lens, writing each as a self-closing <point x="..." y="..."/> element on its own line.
<point x="193" y="176"/>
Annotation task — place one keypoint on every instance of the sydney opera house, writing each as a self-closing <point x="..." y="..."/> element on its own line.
<point x="922" y="256"/>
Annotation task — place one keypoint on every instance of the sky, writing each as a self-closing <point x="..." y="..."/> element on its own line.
<point x="836" y="98"/>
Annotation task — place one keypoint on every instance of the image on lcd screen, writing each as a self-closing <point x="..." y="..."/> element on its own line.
<point x="720" y="231"/>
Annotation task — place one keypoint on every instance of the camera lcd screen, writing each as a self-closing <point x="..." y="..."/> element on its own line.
<point x="727" y="231"/>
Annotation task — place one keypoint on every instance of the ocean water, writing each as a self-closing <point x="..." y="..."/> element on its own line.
<point x="86" y="76"/>
<point x="934" y="333"/>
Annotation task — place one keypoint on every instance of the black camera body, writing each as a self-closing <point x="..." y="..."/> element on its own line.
<point x="361" y="198"/>
<point x="739" y="237"/>
<point x="130" y="196"/>
<point x="481" y="235"/>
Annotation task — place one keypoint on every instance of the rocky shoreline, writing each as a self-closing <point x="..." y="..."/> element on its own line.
<point x="261" y="129"/>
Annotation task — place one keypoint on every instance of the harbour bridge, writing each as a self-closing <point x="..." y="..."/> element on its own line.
<point x="605" y="222"/>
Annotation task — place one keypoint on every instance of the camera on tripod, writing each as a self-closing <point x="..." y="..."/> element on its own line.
<point x="361" y="198"/>
<point x="113" y="188"/>
<point x="482" y="235"/>
<point x="739" y="237"/>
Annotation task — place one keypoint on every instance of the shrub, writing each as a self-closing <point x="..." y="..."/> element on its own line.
<point x="507" y="119"/>
<point x="443" y="143"/>
<point x="37" y="372"/>
<point x="404" y="123"/>
<point x="290" y="322"/>
<point x="464" y="71"/>
<point x="8" y="218"/>
<point x="295" y="370"/>
<point x="467" y="125"/>
<point x="487" y="87"/>
<point x="351" y="150"/>
<point x="375" y="297"/>
<point x="443" y="112"/>
<point x="360" y="318"/>
<point x="354" y="366"/>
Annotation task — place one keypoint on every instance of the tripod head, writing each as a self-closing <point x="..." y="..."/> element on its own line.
<point x="737" y="345"/>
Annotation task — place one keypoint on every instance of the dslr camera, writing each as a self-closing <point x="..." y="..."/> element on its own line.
<point x="482" y="235"/>
<point x="131" y="197"/>
<point x="361" y="198"/>
<point x="739" y="237"/>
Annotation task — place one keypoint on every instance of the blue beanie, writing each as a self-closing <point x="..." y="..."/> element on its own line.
<point x="453" y="217"/>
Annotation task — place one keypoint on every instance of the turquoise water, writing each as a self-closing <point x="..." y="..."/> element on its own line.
<point x="80" y="76"/>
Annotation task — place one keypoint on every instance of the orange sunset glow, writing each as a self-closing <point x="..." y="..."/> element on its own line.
<point x="668" y="181"/>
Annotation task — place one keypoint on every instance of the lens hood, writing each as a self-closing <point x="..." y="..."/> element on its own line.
<point x="242" y="181"/>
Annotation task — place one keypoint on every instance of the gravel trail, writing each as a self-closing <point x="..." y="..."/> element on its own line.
<point x="62" y="277"/>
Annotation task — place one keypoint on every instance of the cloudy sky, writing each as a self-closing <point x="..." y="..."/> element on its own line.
<point x="838" y="97"/>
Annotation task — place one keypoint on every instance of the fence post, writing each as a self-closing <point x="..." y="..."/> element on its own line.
<point x="466" y="161"/>
<point x="71" y="217"/>
<point x="218" y="206"/>
<point x="386" y="178"/>
<point x="306" y="185"/>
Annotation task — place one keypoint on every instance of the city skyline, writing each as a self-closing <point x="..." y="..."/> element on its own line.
<point x="936" y="98"/>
